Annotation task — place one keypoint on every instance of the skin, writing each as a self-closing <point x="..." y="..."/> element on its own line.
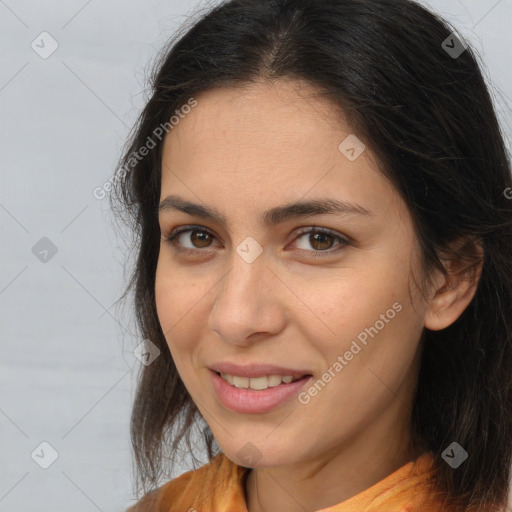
<point x="243" y="151"/>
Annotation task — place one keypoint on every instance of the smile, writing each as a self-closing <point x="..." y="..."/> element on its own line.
<point x="268" y="393"/>
<point x="258" y="383"/>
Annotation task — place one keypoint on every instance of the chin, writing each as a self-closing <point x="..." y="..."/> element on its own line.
<point x="251" y="455"/>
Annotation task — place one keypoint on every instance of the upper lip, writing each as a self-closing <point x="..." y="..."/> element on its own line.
<point x="255" y="370"/>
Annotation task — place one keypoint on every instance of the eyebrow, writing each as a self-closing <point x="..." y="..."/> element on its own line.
<point x="269" y="218"/>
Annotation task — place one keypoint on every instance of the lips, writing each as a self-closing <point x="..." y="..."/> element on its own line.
<point x="250" y="401"/>
<point x="257" y="370"/>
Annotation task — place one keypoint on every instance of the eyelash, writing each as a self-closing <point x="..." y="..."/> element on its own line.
<point x="171" y="239"/>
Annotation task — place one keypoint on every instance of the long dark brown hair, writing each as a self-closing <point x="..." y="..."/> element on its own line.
<point x="418" y="100"/>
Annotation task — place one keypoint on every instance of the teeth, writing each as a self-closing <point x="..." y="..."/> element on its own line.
<point x="258" y="383"/>
<point x="227" y="377"/>
<point x="240" y="382"/>
<point x="274" y="380"/>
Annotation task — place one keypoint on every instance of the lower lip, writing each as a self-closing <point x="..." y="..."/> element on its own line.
<point x="251" y="401"/>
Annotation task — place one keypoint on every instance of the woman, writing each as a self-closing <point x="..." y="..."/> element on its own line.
<point x="321" y="195"/>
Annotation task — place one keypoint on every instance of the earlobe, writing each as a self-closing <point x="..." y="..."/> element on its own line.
<point x="454" y="292"/>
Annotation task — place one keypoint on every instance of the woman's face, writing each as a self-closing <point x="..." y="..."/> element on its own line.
<point x="267" y="289"/>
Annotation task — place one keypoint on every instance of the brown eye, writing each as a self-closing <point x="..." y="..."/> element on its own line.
<point x="320" y="240"/>
<point x="190" y="240"/>
<point x="200" y="241"/>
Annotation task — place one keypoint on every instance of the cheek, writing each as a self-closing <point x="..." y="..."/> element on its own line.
<point x="346" y="304"/>
<point x="164" y="298"/>
<point x="171" y="298"/>
<point x="376" y="333"/>
<point x="172" y="292"/>
<point x="373" y="310"/>
<point x="180" y="304"/>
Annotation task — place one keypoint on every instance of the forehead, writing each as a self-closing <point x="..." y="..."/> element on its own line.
<point x="259" y="115"/>
<point x="264" y="144"/>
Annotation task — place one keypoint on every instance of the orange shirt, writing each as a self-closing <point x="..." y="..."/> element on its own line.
<point x="219" y="487"/>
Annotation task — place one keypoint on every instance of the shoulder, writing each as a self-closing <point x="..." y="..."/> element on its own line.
<point x="218" y="482"/>
<point x="147" y="503"/>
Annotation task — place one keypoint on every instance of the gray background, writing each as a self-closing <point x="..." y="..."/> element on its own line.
<point x="67" y="367"/>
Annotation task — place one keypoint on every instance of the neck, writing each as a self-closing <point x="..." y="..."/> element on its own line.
<point x="327" y="480"/>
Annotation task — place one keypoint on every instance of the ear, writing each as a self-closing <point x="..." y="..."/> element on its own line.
<point x="453" y="293"/>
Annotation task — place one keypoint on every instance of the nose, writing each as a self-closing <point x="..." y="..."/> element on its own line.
<point x="249" y="302"/>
